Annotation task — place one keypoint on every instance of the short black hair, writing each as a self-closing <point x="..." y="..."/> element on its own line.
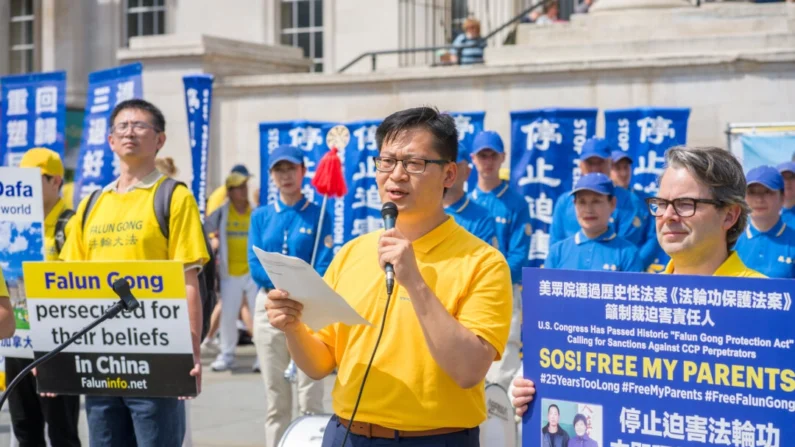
<point x="555" y="407"/>
<point x="441" y="125"/>
<point x="158" y="120"/>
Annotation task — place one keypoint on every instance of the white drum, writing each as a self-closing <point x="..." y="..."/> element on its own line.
<point x="500" y="427"/>
<point x="306" y="431"/>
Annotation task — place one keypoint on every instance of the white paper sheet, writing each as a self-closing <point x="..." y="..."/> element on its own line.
<point x="322" y="305"/>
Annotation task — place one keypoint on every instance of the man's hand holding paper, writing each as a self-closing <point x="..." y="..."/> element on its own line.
<point x="301" y="296"/>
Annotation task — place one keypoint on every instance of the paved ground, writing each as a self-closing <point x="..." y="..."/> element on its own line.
<point x="230" y="411"/>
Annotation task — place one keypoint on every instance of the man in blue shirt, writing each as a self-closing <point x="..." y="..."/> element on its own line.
<point x="768" y="244"/>
<point x="288" y="226"/>
<point x="621" y="174"/>
<point x="512" y="218"/>
<point x="787" y="171"/>
<point x="596" y="246"/>
<point x="473" y="217"/>
<point x="630" y="219"/>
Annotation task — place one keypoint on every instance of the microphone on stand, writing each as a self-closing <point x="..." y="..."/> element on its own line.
<point x="127" y="302"/>
<point x="389" y="213"/>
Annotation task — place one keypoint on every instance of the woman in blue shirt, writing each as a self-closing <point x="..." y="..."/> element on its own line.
<point x="596" y="246"/>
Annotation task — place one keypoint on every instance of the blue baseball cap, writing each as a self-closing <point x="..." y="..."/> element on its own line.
<point x="767" y="176"/>
<point x="487" y="139"/>
<point x="286" y="152"/>
<point x="595" y="147"/>
<point x="620" y="155"/>
<point x="596" y="182"/>
<point x="788" y="166"/>
<point x="241" y="169"/>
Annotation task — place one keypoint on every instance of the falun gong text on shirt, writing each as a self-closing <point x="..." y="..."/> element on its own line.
<point x="659" y="360"/>
<point x="145" y="352"/>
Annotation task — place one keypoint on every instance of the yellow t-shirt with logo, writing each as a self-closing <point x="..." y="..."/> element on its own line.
<point x="50" y="249"/>
<point x="122" y="226"/>
<point x="408" y="390"/>
<point x="732" y="266"/>
<point x="237" y="241"/>
<point x="3" y="287"/>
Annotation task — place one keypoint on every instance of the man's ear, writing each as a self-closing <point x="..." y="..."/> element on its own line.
<point x="450" y="172"/>
<point x="732" y="215"/>
<point x="161" y="140"/>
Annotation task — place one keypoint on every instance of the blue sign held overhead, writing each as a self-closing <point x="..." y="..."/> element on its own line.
<point x="32" y="114"/>
<point x="97" y="165"/>
<point x="639" y="360"/>
<point x="645" y="134"/>
<point x="545" y="147"/>
<point x="198" y="102"/>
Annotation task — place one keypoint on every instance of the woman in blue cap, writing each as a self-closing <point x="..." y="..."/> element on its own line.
<point x="596" y="246"/>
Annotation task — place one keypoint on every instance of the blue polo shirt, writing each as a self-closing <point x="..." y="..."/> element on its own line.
<point x="771" y="253"/>
<point x="289" y="230"/>
<point x="512" y="222"/>
<point x="788" y="214"/>
<point x="475" y="219"/>
<point x="604" y="252"/>
<point x="631" y="219"/>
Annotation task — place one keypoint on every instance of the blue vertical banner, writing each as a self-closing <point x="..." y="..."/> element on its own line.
<point x="198" y="102"/>
<point x="363" y="207"/>
<point x="32" y="114"/>
<point x="97" y="165"/>
<point x="469" y="124"/>
<point x="645" y="134"/>
<point x="639" y="360"/>
<point x="545" y="147"/>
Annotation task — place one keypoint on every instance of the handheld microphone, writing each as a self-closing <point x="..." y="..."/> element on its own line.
<point x="128" y="302"/>
<point x="389" y="213"/>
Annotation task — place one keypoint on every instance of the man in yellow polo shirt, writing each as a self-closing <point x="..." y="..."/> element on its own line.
<point x="700" y="212"/>
<point x="122" y="226"/>
<point x="30" y="412"/>
<point x="447" y="320"/>
<point x="228" y="227"/>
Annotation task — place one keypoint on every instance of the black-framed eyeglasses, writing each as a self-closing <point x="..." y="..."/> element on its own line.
<point x="683" y="206"/>
<point x="411" y="165"/>
<point x="138" y="127"/>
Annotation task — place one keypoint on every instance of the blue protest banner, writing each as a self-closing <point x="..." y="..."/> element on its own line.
<point x="469" y="124"/>
<point x="32" y="114"/>
<point x="639" y="360"/>
<point x="363" y="207"/>
<point x="645" y="134"/>
<point x="198" y="102"/>
<point x="97" y="165"/>
<point x="545" y="146"/>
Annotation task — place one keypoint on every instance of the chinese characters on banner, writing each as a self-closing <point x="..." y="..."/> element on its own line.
<point x="363" y="210"/>
<point x="198" y="102"/>
<point x="97" y="165"/>
<point x="660" y="360"/>
<point x="469" y="124"/>
<point x="645" y="134"/>
<point x="545" y="147"/>
<point x="33" y="114"/>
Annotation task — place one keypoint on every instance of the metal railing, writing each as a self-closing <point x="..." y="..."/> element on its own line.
<point x="373" y="55"/>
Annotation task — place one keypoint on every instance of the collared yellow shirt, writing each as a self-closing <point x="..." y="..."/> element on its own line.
<point x="406" y="389"/>
<point x="237" y="241"/>
<point x="3" y="287"/>
<point x="732" y="266"/>
<point x="123" y="226"/>
<point x="50" y="250"/>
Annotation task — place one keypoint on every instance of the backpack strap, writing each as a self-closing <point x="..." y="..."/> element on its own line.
<point x="92" y="200"/>
<point x="60" y="228"/>
<point x="162" y="203"/>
